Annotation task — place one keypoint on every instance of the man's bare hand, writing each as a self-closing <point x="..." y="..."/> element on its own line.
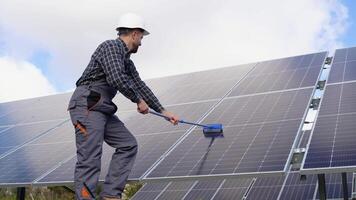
<point x="142" y="107"/>
<point x="172" y="117"/>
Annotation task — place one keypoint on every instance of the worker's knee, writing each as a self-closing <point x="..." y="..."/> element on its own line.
<point x="130" y="147"/>
<point x="134" y="146"/>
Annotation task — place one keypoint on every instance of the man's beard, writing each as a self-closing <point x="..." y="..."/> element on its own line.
<point x="134" y="49"/>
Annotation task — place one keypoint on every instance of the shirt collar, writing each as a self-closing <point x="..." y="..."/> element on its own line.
<point x="127" y="52"/>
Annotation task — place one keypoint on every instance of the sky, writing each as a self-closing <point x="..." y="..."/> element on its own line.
<point x="46" y="45"/>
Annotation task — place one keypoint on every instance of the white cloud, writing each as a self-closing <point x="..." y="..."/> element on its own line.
<point x="20" y="80"/>
<point x="186" y="35"/>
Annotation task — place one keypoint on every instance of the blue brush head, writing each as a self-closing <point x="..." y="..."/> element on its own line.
<point x="213" y="130"/>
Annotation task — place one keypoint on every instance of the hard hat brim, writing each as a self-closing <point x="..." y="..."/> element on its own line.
<point x="145" y="32"/>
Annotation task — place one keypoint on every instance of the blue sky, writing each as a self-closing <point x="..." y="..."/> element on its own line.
<point x="45" y="45"/>
<point x="349" y="37"/>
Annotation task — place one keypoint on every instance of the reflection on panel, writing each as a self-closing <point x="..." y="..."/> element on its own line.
<point x="39" y="109"/>
<point x="34" y="159"/>
<point x="21" y="134"/>
<point x="282" y="74"/>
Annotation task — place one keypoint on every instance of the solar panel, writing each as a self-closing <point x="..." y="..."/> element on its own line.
<point x="38" y="109"/>
<point x="192" y="87"/>
<point x="343" y="67"/>
<point x="261" y="116"/>
<point x="282" y="74"/>
<point x="20" y="134"/>
<point x="8" y="107"/>
<point x="199" y="86"/>
<point x="295" y="188"/>
<point x="259" y="134"/>
<point x="154" y="135"/>
<point x="290" y="187"/>
<point x="37" y="157"/>
<point x="331" y="147"/>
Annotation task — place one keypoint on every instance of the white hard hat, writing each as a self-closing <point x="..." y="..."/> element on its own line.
<point x="131" y="20"/>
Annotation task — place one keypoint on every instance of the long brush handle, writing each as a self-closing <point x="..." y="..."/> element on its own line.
<point x="180" y="121"/>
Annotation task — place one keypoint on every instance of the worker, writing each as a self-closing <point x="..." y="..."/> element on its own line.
<point x="92" y="111"/>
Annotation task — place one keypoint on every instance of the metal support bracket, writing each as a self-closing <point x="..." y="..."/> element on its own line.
<point x="314" y="104"/>
<point x="21" y="191"/>
<point x="328" y="60"/>
<point x="321" y="85"/>
<point x="353" y="194"/>
<point x="344" y="186"/>
<point x="321" y="186"/>
<point x="297" y="158"/>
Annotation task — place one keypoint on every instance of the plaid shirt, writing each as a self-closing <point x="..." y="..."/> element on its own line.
<point x="111" y="61"/>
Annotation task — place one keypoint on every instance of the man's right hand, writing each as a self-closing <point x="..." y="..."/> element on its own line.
<point x="142" y="107"/>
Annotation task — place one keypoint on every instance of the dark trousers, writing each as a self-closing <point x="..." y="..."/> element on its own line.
<point x="92" y="113"/>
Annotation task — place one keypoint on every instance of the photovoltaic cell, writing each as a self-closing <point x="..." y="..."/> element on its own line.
<point x="259" y="131"/>
<point x="332" y="142"/>
<point x="282" y="74"/>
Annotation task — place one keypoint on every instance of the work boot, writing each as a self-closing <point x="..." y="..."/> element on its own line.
<point x="110" y="198"/>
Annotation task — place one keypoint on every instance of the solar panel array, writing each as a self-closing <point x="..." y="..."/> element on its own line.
<point x="290" y="187"/>
<point x="37" y="134"/>
<point x="262" y="107"/>
<point x="332" y="144"/>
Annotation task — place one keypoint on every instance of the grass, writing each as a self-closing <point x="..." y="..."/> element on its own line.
<point x="59" y="193"/>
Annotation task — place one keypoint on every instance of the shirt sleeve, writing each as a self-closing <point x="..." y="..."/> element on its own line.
<point x="114" y="68"/>
<point x="146" y="93"/>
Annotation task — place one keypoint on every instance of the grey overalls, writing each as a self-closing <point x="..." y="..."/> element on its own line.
<point x="92" y="113"/>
